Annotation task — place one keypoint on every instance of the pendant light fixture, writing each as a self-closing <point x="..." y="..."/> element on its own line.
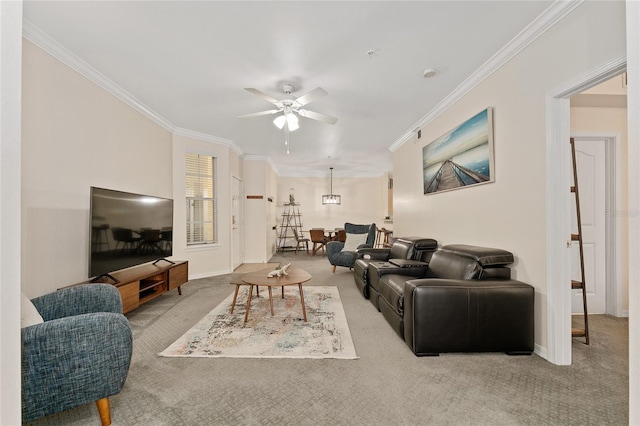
<point x="331" y="198"/>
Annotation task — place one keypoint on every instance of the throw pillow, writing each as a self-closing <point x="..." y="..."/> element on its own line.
<point x="353" y="241"/>
<point x="29" y="315"/>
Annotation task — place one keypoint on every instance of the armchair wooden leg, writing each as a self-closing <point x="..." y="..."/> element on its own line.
<point x="334" y="269"/>
<point x="104" y="409"/>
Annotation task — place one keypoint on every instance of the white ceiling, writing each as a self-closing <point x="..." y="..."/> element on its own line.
<point x="189" y="62"/>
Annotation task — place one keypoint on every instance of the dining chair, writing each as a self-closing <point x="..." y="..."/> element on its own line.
<point x="300" y="240"/>
<point x="318" y="239"/>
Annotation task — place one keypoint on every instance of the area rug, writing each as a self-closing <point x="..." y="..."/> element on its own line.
<point x="245" y="268"/>
<point x="284" y="335"/>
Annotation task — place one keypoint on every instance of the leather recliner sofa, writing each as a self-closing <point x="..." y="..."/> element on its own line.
<point x="464" y="301"/>
<point x="405" y="248"/>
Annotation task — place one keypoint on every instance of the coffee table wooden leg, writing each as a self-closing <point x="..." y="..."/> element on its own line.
<point x="271" y="300"/>
<point x="246" y="314"/>
<point x="235" y="296"/>
<point x="304" y="310"/>
<point x="283" y="292"/>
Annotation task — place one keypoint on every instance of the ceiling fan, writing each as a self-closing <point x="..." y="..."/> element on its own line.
<point x="291" y="106"/>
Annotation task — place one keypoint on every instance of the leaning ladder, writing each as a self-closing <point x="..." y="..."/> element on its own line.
<point x="579" y="285"/>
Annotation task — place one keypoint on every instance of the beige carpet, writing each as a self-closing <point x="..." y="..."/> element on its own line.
<point x="325" y="334"/>
<point x="245" y="268"/>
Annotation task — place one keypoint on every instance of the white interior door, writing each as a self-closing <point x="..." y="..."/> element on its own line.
<point x="236" y="223"/>
<point x="592" y="183"/>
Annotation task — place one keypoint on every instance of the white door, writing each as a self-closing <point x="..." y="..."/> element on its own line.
<point x="592" y="183"/>
<point x="236" y="223"/>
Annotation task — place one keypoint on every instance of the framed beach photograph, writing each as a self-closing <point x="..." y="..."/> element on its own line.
<point x="462" y="157"/>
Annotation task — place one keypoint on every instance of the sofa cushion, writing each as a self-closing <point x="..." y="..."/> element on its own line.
<point x="401" y="249"/>
<point x="447" y="264"/>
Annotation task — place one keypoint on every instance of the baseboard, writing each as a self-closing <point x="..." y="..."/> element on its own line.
<point x="208" y="274"/>
<point x="540" y="351"/>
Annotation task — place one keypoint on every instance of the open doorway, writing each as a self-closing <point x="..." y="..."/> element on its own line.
<point x="559" y="208"/>
<point x="598" y="119"/>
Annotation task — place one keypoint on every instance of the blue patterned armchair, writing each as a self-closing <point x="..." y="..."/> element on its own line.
<point x="339" y="256"/>
<point x="79" y="354"/>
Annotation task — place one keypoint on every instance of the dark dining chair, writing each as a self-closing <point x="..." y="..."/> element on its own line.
<point x="318" y="239"/>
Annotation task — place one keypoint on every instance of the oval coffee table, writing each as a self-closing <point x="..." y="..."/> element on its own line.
<point x="294" y="276"/>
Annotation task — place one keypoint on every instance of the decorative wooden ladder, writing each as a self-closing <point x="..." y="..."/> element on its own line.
<point x="579" y="285"/>
<point x="291" y="219"/>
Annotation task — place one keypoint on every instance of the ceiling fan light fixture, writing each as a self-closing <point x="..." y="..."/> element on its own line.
<point x="279" y="121"/>
<point x="292" y="122"/>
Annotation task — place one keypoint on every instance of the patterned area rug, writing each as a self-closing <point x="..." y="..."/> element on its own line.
<point x="285" y="335"/>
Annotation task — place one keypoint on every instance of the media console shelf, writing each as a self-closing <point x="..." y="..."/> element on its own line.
<point x="140" y="284"/>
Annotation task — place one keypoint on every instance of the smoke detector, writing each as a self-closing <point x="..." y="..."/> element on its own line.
<point x="429" y="72"/>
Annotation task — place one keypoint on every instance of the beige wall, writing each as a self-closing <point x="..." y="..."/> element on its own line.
<point x="509" y="213"/>
<point x="362" y="200"/>
<point x="76" y="135"/>
<point x="612" y="122"/>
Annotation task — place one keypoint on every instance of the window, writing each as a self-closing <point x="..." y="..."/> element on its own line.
<point x="200" y="178"/>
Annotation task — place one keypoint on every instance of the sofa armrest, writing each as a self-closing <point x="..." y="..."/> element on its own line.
<point x="72" y="361"/>
<point x="374" y="253"/>
<point x="76" y="300"/>
<point x="447" y="315"/>
<point x="379" y="269"/>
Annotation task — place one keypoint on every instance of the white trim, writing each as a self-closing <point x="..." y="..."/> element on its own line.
<point x="558" y="206"/>
<point x="202" y="247"/>
<point x="61" y="53"/>
<point x="209" y="274"/>
<point x="591" y="78"/>
<point x="558" y="232"/>
<point x="633" y="203"/>
<point x="10" y="200"/>
<point x="540" y="25"/>
<point x="179" y="131"/>
<point x="540" y="351"/>
<point x="64" y="55"/>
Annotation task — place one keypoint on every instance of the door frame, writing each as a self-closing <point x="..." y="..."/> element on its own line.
<point x="240" y="221"/>
<point x="558" y="209"/>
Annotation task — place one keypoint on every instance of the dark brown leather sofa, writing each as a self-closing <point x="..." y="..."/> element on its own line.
<point x="463" y="300"/>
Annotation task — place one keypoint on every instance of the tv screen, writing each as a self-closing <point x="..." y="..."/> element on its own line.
<point x="128" y="229"/>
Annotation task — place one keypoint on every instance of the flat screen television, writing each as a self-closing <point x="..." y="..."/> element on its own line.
<point x="127" y="230"/>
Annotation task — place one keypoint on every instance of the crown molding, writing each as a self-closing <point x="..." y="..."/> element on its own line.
<point x="207" y="138"/>
<point x="547" y="19"/>
<point x="266" y="158"/>
<point x="591" y="78"/>
<point x="61" y="53"/>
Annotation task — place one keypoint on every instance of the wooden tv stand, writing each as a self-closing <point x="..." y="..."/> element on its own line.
<point x="142" y="283"/>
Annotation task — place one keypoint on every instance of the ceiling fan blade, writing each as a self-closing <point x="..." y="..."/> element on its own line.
<point x="258" y="114"/>
<point x="311" y="96"/>
<point x="261" y="95"/>
<point x="317" y="116"/>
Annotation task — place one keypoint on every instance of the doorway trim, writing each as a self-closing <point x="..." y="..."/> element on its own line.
<point x="558" y="209"/>
<point x="238" y="220"/>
